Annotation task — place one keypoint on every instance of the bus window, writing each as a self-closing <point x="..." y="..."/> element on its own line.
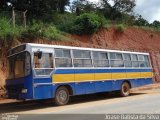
<point x="117" y="63"/>
<point x="81" y="54"/>
<point x="134" y="57"/>
<point x="82" y="58"/>
<point x="127" y="60"/>
<point x="140" y="57"/>
<point x="100" y="59"/>
<point x="82" y="63"/>
<point x="146" y="58"/>
<point x="19" y="65"/>
<point x="100" y="56"/>
<point x="116" y="60"/>
<point x="63" y="58"/>
<point x="135" y="64"/>
<point x="43" y="65"/>
<point x="116" y="56"/>
<point x="112" y="56"/>
<point x="119" y="56"/>
<point x="64" y="53"/>
<point x="144" y="62"/>
<point x="127" y="56"/>
<point x="63" y="62"/>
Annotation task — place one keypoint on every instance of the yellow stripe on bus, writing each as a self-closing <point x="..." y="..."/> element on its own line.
<point x="62" y="78"/>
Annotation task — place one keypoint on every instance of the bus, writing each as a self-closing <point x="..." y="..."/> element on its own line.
<point x="39" y="71"/>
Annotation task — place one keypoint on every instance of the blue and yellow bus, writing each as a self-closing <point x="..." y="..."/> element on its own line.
<point x="39" y="71"/>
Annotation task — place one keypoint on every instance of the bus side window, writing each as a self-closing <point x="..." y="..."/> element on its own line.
<point x="43" y="65"/>
<point x="82" y="58"/>
<point x="127" y="60"/>
<point x="100" y="59"/>
<point x="144" y="61"/>
<point x="63" y="58"/>
<point x="116" y="59"/>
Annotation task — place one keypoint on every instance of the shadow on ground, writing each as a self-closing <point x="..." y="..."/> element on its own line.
<point x="33" y="105"/>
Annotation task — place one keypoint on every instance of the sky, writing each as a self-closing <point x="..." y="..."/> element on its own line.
<point x="149" y="9"/>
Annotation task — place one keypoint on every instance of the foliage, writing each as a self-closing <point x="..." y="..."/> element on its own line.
<point x="141" y="21"/>
<point x="87" y="23"/>
<point x="38" y="29"/>
<point x="83" y="17"/>
<point x="116" y="11"/>
<point x="35" y="7"/>
<point x="120" y="27"/>
<point x="156" y="24"/>
<point x="64" y="21"/>
<point x="7" y="31"/>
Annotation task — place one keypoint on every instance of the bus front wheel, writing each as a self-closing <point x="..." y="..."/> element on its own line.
<point x="62" y="96"/>
<point x="125" y="89"/>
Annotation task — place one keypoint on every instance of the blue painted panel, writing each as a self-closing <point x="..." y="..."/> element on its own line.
<point x="15" y="81"/>
<point x="140" y="82"/>
<point x="90" y="87"/>
<point x="26" y="83"/>
<point x="43" y="92"/>
<point x="109" y="85"/>
<point x="103" y="71"/>
<point x="42" y="80"/>
<point x="117" y="84"/>
<point x="85" y="71"/>
<point x="29" y="86"/>
<point x="80" y="88"/>
<point x="133" y="70"/>
<point x="100" y="86"/>
<point x="103" y="86"/>
<point x="64" y="71"/>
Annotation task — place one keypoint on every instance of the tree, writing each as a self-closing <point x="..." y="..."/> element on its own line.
<point x="118" y="8"/>
<point x="156" y="23"/>
<point x="125" y="6"/>
<point x="83" y="6"/>
<point x="140" y="21"/>
<point x="36" y="6"/>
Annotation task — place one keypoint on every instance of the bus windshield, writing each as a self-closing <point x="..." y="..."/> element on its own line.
<point x="19" y="65"/>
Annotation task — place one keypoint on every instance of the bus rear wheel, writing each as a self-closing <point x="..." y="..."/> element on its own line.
<point x="125" y="89"/>
<point x="62" y="96"/>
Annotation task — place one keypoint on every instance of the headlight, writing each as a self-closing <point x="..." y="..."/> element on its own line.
<point x="24" y="91"/>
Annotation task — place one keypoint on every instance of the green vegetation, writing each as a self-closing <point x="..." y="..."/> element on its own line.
<point x="87" y="23"/>
<point x="120" y="27"/>
<point x="36" y="29"/>
<point x="51" y="19"/>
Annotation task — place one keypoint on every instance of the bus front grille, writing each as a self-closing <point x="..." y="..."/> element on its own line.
<point x="13" y="91"/>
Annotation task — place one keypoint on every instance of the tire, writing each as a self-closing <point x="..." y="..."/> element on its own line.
<point x="125" y="89"/>
<point x="62" y="96"/>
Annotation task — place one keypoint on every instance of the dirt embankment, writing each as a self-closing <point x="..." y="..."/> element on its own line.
<point x="131" y="39"/>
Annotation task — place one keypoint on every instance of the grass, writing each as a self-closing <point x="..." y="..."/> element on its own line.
<point x="36" y="29"/>
<point x="153" y="29"/>
<point x="120" y="27"/>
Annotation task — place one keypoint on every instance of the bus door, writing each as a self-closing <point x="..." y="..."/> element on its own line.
<point x="43" y="69"/>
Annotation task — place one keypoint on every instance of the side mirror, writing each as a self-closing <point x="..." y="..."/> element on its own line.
<point x="39" y="54"/>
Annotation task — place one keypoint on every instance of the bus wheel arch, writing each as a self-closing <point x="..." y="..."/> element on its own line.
<point x="125" y="88"/>
<point x="62" y="94"/>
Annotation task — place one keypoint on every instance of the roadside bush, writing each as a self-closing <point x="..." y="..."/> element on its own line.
<point x="38" y="29"/>
<point x="64" y="22"/>
<point x="7" y="31"/>
<point x="87" y="23"/>
<point x="120" y="28"/>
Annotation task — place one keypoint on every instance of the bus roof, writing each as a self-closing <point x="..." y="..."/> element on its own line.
<point x="79" y="48"/>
